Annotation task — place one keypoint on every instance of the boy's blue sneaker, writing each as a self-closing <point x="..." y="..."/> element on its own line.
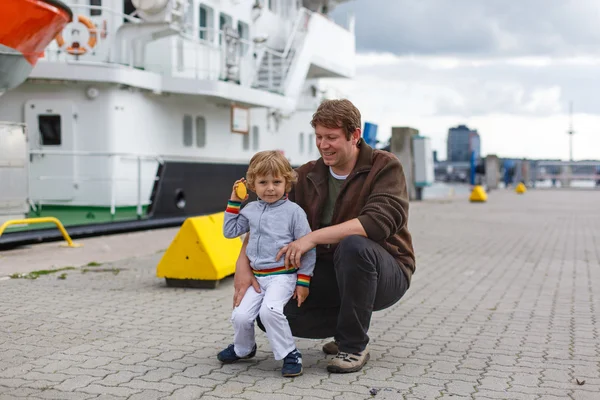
<point x="228" y="355"/>
<point x="292" y="364"/>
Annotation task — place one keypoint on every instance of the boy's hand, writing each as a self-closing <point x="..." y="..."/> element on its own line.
<point x="301" y="293"/>
<point x="234" y="194"/>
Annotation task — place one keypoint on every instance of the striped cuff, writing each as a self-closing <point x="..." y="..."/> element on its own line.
<point x="233" y="207"/>
<point x="303" y="280"/>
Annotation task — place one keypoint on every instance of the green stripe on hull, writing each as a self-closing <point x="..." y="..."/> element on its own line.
<point x="79" y="215"/>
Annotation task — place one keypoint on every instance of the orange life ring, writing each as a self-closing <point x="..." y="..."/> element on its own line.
<point x="74" y="49"/>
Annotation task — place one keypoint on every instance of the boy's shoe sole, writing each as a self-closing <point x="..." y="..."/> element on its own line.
<point x="252" y="354"/>
<point x="291" y="375"/>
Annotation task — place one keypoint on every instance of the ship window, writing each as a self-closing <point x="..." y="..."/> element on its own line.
<point x="205" y="24"/>
<point x="284" y="8"/>
<point x="254" y="137"/>
<point x="50" y="131"/>
<point x="200" y="132"/>
<point x="95" y="3"/>
<point x="311" y="143"/>
<point x="224" y="21"/>
<point x="301" y="142"/>
<point x="180" y="54"/>
<point x="128" y="9"/>
<point x="188" y="138"/>
<point x="244" y="33"/>
<point x="246" y="142"/>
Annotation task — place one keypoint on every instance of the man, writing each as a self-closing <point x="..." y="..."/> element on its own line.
<point x="356" y="202"/>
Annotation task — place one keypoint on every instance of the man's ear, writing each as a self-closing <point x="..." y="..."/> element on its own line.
<point x="356" y="136"/>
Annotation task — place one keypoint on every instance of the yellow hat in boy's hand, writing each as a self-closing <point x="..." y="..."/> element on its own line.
<point x="241" y="191"/>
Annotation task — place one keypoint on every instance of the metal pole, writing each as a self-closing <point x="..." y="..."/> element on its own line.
<point x="139" y="187"/>
<point x="571" y="146"/>
<point x="473" y="161"/>
<point x="113" y="192"/>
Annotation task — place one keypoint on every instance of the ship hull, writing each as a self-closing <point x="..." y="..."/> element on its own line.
<point x="181" y="190"/>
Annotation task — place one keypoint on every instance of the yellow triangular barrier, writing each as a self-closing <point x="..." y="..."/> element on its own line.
<point x="520" y="188"/>
<point x="478" y="194"/>
<point x="200" y="255"/>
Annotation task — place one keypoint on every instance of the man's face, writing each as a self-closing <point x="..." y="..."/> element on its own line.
<point x="336" y="150"/>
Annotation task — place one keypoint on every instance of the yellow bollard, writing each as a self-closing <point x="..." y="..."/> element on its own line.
<point x="478" y="195"/>
<point x="520" y="189"/>
<point x="199" y="256"/>
<point x="41" y="220"/>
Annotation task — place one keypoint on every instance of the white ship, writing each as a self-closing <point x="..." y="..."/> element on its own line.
<point x="144" y="112"/>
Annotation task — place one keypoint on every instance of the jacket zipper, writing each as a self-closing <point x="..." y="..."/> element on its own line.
<point x="258" y="239"/>
<point x="319" y="197"/>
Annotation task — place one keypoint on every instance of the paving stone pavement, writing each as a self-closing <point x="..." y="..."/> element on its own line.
<point x="502" y="306"/>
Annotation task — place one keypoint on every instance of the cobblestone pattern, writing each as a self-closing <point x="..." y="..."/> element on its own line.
<point x="502" y="306"/>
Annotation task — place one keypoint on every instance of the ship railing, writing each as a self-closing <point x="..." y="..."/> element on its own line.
<point x="114" y="161"/>
<point x="569" y="174"/>
<point x="274" y="66"/>
<point x="205" y="53"/>
<point x="55" y="53"/>
<point x="104" y="10"/>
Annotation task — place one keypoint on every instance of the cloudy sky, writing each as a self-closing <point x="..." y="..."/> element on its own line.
<point x="508" y="68"/>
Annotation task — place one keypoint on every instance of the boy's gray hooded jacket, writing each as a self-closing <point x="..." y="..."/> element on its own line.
<point x="271" y="226"/>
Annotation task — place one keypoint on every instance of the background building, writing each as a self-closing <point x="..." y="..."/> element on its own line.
<point x="461" y="141"/>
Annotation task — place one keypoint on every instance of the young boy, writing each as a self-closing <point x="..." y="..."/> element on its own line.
<point x="273" y="221"/>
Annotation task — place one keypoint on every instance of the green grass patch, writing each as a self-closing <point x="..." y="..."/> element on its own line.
<point x="37" y="274"/>
<point x="115" y="271"/>
<point x="93" y="264"/>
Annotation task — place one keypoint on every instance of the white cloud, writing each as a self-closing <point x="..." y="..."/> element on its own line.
<point x="506" y="68"/>
<point x="519" y="105"/>
<point x="475" y="27"/>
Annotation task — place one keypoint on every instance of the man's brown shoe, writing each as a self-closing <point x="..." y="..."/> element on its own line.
<point x="348" y="362"/>
<point x="331" y="348"/>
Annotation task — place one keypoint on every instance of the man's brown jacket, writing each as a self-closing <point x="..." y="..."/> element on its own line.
<point x="374" y="192"/>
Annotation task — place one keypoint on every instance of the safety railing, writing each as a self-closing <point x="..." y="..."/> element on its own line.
<point x="203" y="53"/>
<point x="42" y="220"/>
<point x="275" y="66"/>
<point x="94" y="39"/>
<point x="113" y="165"/>
<point x="566" y="174"/>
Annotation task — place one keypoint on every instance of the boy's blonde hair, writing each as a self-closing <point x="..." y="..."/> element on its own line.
<point x="271" y="162"/>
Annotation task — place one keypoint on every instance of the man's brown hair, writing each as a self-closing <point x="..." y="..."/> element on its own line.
<point x="334" y="114"/>
<point x="271" y="162"/>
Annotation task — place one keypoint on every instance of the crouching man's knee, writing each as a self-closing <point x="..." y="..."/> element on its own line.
<point x="354" y="254"/>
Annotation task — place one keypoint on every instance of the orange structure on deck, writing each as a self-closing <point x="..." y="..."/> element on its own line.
<point x="26" y="28"/>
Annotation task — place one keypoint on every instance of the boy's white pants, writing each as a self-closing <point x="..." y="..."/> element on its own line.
<point x="275" y="292"/>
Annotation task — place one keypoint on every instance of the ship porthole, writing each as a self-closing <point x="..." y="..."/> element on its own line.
<point x="180" y="199"/>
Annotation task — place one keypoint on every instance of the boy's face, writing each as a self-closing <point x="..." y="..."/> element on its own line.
<point x="269" y="188"/>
